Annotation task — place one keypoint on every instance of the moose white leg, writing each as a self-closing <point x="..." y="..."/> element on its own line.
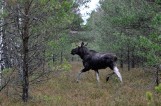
<point x="78" y="76"/>
<point x="97" y="77"/>
<point x="116" y="70"/>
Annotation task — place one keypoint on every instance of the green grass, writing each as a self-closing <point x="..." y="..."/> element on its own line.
<point x="62" y="90"/>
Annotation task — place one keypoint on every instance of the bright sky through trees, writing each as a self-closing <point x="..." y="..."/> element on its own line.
<point x="85" y="11"/>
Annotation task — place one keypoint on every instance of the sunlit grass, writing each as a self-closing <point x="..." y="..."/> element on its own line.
<point x="62" y="90"/>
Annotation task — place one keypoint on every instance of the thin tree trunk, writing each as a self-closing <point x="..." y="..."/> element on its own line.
<point x="157" y="76"/>
<point x="121" y="61"/>
<point x="1" y="42"/>
<point x="61" y="57"/>
<point x="133" y="60"/>
<point x="25" y="37"/>
<point x="128" y="57"/>
<point x="72" y="59"/>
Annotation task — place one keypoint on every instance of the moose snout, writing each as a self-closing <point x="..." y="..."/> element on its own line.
<point x="72" y="52"/>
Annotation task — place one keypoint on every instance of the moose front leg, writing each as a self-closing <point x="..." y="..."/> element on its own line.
<point x="78" y="76"/>
<point x="83" y="70"/>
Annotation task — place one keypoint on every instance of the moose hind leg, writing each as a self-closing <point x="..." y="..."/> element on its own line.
<point x="109" y="75"/>
<point x="116" y="70"/>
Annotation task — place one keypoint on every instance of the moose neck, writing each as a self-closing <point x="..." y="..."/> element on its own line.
<point x="83" y="53"/>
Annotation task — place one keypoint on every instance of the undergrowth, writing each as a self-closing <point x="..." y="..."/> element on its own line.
<point x="62" y="90"/>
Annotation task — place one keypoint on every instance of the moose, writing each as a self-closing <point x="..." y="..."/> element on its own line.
<point x="94" y="60"/>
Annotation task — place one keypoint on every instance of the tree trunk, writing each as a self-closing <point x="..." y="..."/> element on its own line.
<point x="128" y="57"/>
<point x="1" y="42"/>
<point x="133" y="60"/>
<point x="61" y="57"/>
<point x="72" y="59"/>
<point x="25" y="38"/>
<point x="121" y="61"/>
<point x="157" y="76"/>
<point x="25" y="70"/>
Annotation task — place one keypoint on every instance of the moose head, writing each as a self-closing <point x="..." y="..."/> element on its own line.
<point x="80" y="49"/>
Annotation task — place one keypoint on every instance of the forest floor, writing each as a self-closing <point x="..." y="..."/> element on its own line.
<point x="62" y="90"/>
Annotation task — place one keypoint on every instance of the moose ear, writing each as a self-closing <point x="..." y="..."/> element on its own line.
<point x="82" y="44"/>
<point x="86" y="44"/>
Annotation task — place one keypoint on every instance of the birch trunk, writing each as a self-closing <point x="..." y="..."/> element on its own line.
<point x="1" y="41"/>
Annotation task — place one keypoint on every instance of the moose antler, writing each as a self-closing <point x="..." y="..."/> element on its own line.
<point x="86" y="44"/>
<point x="83" y="44"/>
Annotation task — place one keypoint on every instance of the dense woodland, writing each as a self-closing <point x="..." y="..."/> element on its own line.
<point x="36" y="38"/>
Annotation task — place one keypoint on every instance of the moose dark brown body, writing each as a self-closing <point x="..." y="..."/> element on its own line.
<point x="95" y="61"/>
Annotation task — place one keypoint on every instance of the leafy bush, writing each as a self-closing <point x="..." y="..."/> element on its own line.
<point x="158" y="88"/>
<point x="66" y="65"/>
<point x="149" y="95"/>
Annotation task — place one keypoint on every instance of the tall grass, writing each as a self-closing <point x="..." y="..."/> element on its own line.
<point x="62" y="90"/>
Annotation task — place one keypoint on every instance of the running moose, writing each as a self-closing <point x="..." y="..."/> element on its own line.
<point x="95" y="61"/>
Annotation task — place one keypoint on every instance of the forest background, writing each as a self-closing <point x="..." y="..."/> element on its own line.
<point x="37" y="38"/>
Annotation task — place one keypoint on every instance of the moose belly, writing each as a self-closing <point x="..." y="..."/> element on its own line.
<point x="98" y="65"/>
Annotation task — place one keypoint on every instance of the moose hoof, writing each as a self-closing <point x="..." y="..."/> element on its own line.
<point x="77" y="81"/>
<point x="107" y="79"/>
